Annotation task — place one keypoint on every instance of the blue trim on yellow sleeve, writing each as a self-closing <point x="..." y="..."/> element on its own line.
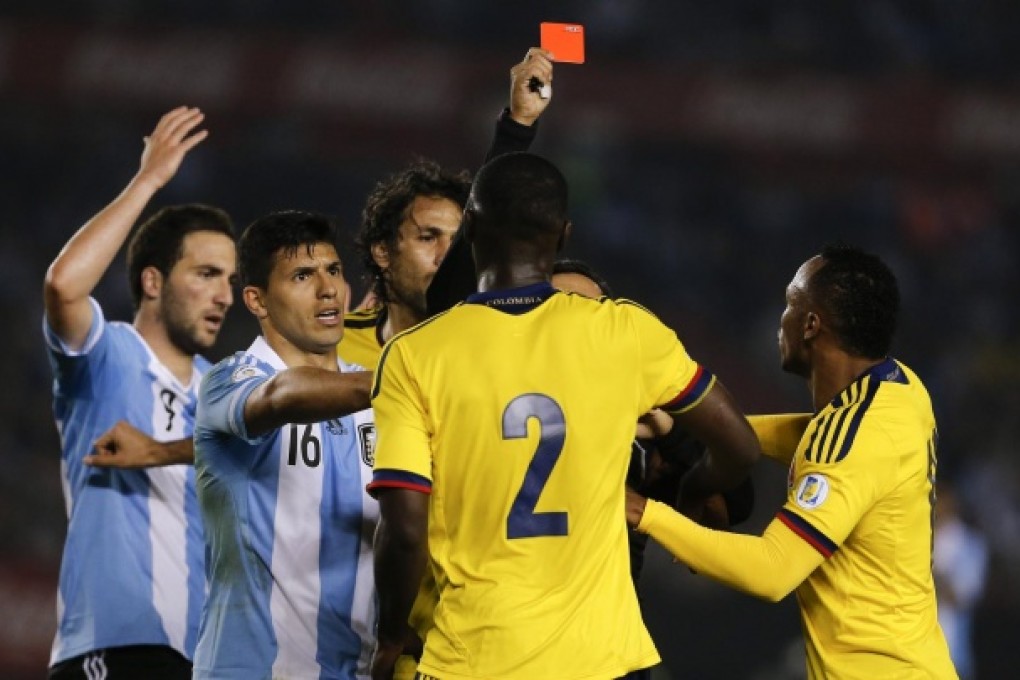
<point x="398" y="479"/>
<point x="815" y="538"/>
<point x="693" y="393"/>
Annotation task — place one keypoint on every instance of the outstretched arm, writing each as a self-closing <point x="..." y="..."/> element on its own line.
<point x="305" y="395"/>
<point x="768" y="566"/>
<point x="80" y="265"/>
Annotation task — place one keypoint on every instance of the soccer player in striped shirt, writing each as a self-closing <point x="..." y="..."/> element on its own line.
<point x="854" y="538"/>
<point x="132" y="578"/>
<point x="283" y="451"/>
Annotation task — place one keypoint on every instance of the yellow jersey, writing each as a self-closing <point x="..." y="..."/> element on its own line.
<point x="516" y="411"/>
<point x="362" y="343"/>
<point x="861" y="492"/>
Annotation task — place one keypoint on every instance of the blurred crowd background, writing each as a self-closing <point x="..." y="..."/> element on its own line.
<point x="710" y="147"/>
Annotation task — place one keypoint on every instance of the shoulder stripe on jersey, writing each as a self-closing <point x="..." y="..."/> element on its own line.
<point x="815" y="538"/>
<point x="377" y="381"/>
<point x="835" y="434"/>
<point x="695" y="391"/>
<point x="855" y="422"/>
<point x="811" y="442"/>
<point x="814" y="454"/>
<point x="838" y="428"/>
<point x="397" y="479"/>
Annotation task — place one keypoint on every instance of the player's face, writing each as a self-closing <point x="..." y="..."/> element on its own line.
<point x="198" y="291"/>
<point x="423" y="239"/>
<point x="792" y="347"/>
<point x="571" y="282"/>
<point x="303" y="303"/>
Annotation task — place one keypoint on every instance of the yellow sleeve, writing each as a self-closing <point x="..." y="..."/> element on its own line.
<point x="403" y="454"/>
<point x="768" y="566"/>
<point x="780" y="433"/>
<point x="672" y="379"/>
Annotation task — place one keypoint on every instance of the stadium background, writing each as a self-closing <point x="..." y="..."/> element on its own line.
<point x="711" y="147"/>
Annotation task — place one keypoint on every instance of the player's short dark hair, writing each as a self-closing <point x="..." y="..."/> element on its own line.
<point x="860" y="293"/>
<point x="568" y="266"/>
<point x="287" y="230"/>
<point x="159" y="241"/>
<point x="520" y="195"/>
<point x="390" y="199"/>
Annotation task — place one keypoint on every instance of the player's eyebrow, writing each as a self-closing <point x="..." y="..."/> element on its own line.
<point x="428" y="227"/>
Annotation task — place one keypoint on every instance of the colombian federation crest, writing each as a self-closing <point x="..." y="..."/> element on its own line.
<point x="366" y="435"/>
<point x="812" y="491"/>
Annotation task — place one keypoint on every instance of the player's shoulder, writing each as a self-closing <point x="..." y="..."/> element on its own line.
<point x="236" y="368"/>
<point x="869" y="415"/>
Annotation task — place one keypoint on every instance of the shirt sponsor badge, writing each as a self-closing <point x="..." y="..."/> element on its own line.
<point x="366" y="434"/>
<point x="812" y="491"/>
<point x="246" y="373"/>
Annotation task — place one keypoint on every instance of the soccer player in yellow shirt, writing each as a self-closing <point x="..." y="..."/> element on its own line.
<point x="504" y="437"/>
<point x="854" y="538"/>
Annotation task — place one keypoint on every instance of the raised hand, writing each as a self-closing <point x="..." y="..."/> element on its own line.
<point x="168" y="144"/>
<point x="526" y="102"/>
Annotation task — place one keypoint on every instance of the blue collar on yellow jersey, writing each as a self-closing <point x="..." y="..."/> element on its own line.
<point x="515" y="300"/>
<point x="886" y="371"/>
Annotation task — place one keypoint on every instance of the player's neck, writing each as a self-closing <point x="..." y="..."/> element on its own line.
<point x="399" y="317"/>
<point x="294" y="356"/>
<point x="511" y="275"/>
<point x="832" y="372"/>
<point x="180" y="363"/>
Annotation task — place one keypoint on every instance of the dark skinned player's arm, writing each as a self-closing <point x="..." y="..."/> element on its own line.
<point x="401" y="544"/>
<point x="732" y="445"/>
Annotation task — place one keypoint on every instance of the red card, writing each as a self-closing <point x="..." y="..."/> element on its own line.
<point x="565" y="41"/>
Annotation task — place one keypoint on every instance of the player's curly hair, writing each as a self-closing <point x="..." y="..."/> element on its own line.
<point x="159" y="241"/>
<point x="862" y="299"/>
<point x="388" y="202"/>
<point x="287" y="230"/>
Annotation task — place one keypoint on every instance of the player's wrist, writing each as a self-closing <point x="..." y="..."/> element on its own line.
<point x="146" y="182"/>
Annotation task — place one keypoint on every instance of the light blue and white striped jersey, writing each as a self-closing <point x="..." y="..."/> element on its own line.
<point x="289" y="530"/>
<point x="133" y="569"/>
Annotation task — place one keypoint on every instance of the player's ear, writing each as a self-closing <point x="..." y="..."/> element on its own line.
<point x="381" y="254"/>
<point x="254" y="300"/>
<point x="812" y="325"/>
<point x="564" y="235"/>
<point x="152" y="282"/>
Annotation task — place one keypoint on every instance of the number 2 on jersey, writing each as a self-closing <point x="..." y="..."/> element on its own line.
<point x="523" y="521"/>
